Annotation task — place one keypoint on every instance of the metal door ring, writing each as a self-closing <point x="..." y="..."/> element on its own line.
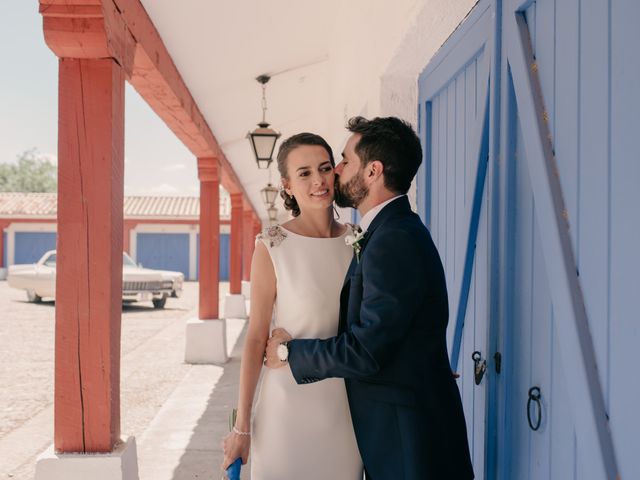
<point x="534" y="396"/>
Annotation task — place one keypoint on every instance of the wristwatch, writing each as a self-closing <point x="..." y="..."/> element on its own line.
<point x="283" y="351"/>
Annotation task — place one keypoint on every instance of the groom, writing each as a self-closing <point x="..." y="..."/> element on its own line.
<point x="391" y="344"/>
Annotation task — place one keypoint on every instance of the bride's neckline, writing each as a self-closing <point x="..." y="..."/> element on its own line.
<point x="346" y="229"/>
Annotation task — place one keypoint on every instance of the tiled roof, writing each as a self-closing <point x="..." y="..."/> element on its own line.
<point x="44" y="205"/>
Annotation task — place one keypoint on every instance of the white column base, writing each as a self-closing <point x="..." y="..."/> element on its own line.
<point x="234" y="306"/>
<point x="206" y="341"/>
<point x="121" y="464"/>
<point x="246" y="289"/>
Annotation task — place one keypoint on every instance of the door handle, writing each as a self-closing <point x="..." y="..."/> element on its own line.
<point x="480" y="366"/>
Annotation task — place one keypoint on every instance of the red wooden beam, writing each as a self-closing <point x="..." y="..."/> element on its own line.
<point x="122" y="29"/>
<point x="159" y="82"/>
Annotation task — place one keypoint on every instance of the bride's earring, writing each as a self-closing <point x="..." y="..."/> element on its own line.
<point x="336" y="212"/>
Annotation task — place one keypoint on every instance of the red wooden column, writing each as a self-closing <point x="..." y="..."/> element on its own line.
<point x="248" y="243"/>
<point x="235" y="274"/>
<point x="96" y="53"/>
<point x="257" y="226"/>
<point x="89" y="265"/>
<point x="208" y="174"/>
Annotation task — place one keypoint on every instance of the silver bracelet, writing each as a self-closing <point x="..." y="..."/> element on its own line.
<point x="238" y="432"/>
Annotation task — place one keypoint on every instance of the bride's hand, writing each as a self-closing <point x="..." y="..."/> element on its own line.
<point x="235" y="446"/>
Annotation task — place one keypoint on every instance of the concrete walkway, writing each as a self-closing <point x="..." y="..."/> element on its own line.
<point x="177" y="412"/>
<point x="184" y="440"/>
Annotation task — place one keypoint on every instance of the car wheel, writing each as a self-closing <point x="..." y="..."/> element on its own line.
<point x="33" y="297"/>
<point x="160" y="302"/>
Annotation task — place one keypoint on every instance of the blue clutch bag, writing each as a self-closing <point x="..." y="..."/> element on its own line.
<point x="233" y="470"/>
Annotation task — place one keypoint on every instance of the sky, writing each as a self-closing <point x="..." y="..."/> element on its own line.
<point x="156" y="163"/>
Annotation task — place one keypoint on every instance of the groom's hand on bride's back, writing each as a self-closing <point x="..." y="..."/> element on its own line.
<point x="271" y="357"/>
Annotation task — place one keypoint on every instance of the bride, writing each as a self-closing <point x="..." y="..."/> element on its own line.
<point x="297" y="271"/>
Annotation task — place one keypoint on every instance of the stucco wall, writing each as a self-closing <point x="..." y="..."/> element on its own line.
<point x="378" y="50"/>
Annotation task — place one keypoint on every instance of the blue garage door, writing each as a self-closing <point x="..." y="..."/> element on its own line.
<point x="164" y="251"/>
<point x="224" y="257"/>
<point x="30" y="246"/>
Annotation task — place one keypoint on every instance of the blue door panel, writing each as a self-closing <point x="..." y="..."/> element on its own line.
<point x="30" y="246"/>
<point x="164" y="251"/>
<point x="623" y="219"/>
<point x="453" y="134"/>
<point x="533" y="342"/>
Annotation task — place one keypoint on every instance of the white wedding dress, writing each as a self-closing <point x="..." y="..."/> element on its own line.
<point x="304" y="432"/>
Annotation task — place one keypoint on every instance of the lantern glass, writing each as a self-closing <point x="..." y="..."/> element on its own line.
<point x="263" y="141"/>
<point x="269" y="195"/>
<point x="263" y="164"/>
<point x="273" y="213"/>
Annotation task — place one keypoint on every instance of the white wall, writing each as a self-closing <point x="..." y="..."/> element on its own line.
<point x="379" y="49"/>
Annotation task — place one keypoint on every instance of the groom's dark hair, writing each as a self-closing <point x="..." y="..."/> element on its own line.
<point x="394" y="143"/>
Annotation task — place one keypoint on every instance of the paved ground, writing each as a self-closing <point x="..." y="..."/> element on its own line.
<point x="153" y="372"/>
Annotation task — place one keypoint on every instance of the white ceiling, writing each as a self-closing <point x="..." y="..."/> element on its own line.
<point x="220" y="47"/>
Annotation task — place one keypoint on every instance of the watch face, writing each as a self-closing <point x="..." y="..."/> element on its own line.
<point x="283" y="352"/>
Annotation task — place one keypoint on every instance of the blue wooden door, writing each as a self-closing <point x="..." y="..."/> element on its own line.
<point x="569" y="101"/>
<point x="164" y="251"/>
<point x="555" y="219"/>
<point x="452" y="200"/>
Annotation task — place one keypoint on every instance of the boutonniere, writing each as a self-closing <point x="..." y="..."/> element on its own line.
<point x="355" y="240"/>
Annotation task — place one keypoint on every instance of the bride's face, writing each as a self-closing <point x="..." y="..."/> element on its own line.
<point x="311" y="178"/>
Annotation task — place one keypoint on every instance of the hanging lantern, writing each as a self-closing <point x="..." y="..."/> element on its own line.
<point x="269" y="195"/>
<point x="263" y="139"/>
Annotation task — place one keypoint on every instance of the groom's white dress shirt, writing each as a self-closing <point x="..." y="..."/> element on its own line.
<point x="368" y="217"/>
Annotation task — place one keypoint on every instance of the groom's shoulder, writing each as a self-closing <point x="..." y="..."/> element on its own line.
<point x="405" y="221"/>
<point x="407" y="229"/>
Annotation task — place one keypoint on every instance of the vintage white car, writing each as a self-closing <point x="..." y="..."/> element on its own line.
<point x="170" y="279"/>
<point x="138" y="284"/>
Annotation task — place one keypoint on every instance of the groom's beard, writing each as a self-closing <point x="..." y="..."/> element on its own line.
<point x="351" y="193"/>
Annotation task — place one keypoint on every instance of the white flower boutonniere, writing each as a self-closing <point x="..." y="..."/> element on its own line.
<point x="354" y="240"/>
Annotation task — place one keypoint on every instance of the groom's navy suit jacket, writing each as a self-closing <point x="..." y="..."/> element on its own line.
<point x="391" y="350"/>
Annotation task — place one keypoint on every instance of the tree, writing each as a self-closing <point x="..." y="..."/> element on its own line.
<point x="32" y="173"/>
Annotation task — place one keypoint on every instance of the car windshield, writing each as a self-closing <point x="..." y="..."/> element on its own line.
<point x="127" y="261"/>
<point x="50" y="261"/>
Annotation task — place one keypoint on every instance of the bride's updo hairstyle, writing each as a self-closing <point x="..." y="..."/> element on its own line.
<point x="285" y="149"/>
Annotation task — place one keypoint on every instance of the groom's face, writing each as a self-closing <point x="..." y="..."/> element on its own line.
<point x="350" y="187"/>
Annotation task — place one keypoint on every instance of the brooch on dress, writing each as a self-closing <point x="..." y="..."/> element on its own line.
<point x="275" y="235"/>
